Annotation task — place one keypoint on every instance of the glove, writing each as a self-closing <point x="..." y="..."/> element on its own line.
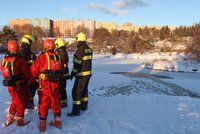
<point x="33" y="86"/>
<point x="71" y="77"/>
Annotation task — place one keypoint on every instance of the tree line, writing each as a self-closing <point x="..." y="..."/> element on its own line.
<point x="141" y="41"/>
<point x="126" y="41"/>
<point x="195" y="46"/>
<point x="37" y="32"/>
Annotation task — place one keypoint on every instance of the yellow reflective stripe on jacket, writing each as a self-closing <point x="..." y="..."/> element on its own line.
<point x="54" y="57"/>
<point x="87" y="57"/>
<point x="65" y="65"/>
<point x="6" y="65"/>
<point x="74" y="70"/>
<point x="84" y="99"/>
<point x="77" y="61"/>
<point x="3" y="61"/>
<point x="12" y="66"/>
<point x="88" y="51"/>
<point x="85" y="73"/>
<point x="30" y="61"/>
<point x="77" y="102"/>
<point x="67" y="74"/>
<point x="48" y="62"/>
<point x="64" y="101"/>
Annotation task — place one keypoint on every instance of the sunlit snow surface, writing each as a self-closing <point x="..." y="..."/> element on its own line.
<point x="125" y="98"/>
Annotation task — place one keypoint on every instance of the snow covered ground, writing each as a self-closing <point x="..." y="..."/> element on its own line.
<point x="126" y="98"/>
<point x="174" y="62"/>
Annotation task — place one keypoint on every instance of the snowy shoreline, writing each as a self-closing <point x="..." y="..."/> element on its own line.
<point x="160" y="61"/>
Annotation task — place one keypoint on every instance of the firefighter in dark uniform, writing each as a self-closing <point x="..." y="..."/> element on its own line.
<point x="62" y="52"/>
<point x="82" y="66"/>
<point x="26" y="53"/>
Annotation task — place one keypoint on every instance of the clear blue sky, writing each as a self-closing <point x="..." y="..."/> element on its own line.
<point x="139" y="12"/>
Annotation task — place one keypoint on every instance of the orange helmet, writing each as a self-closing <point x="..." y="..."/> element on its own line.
<point x="49" y="44"/>
<point x="12" y="46"/>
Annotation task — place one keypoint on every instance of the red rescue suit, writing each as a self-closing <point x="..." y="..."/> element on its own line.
<point x="49" y="94"/>
<point x="16" y="74"/>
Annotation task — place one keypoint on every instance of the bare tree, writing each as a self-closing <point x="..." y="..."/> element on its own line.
<point x="101" y="38"/>
<point x="36" y="32"/>
<point x="56" y="32"/>
<point x="195" y="47"/>
<point x="83" y="30"/>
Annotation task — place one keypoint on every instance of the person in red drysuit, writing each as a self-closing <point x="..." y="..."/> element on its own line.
<point x="17" y="76"/>
<point x="47" y="67"/>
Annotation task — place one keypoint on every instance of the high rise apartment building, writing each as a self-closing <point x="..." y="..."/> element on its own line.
<point x="19" y="22"/>
<point x="45" y="24"/>
<point x="110" y="26"/>
<point x="70" y="28"/>
<point x="64" y="28"/>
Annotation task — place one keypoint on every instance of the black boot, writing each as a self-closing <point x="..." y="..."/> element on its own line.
<point x="63" y="103"/>
<point x="31" y="105"/>
<point x="84" y="105"/>
<point x="75" y="111"/>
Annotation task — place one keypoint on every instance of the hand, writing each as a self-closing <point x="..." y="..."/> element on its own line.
<point x="71" y="77"/>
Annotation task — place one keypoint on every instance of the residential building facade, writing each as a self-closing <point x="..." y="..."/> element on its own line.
<point x="110" y="26"/>
<point x="45" y="24"/>
<point x="70" y="28"/>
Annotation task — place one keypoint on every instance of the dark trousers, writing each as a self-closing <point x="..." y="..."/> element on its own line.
<point x="63" y="91"/>
<point x="80" y="89"/>
<point x="33" y="89"/>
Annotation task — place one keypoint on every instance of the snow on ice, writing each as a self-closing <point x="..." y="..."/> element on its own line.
<point x="126" y="97"/>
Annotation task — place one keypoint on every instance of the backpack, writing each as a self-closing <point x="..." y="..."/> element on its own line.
<point x="7" y="67"/>
<point x="53" y="71"/>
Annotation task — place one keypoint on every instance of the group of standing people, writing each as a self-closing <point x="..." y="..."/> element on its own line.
<point x="24" y="73"/>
